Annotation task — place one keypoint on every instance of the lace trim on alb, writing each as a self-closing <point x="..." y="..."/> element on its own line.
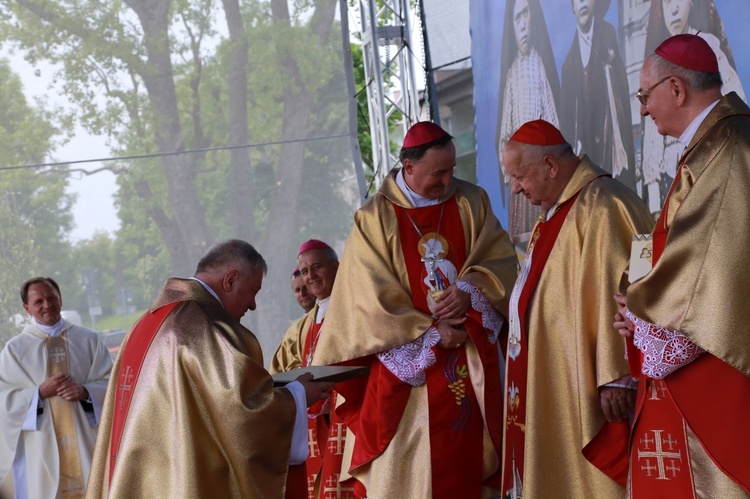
<point x="492" y="321"/>
<point x="664" y="350"/>
<point x="408" y="362"/>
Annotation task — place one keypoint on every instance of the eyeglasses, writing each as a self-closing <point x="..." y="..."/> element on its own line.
<point x="642" y="95"/>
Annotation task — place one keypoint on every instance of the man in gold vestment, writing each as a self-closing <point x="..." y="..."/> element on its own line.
<point x="420" y="298"/>
<point x="53" y="379"/>
<point x="318" y="264"/>
<point x="687" y="319"/>
<point x="288" y="355"/>
<point x="192" y="412"/>
<point x="567" y="377"/>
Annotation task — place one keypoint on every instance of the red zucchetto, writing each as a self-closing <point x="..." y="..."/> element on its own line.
<point x="422" y="133"/>
<point x="312" y="244"/>
<point x="689" y="51"/>
<point x="538" y="133"/>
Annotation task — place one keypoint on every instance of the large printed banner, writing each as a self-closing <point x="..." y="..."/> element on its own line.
<point x="576" y="63"/>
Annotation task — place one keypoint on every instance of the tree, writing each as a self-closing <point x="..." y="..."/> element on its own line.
<point x="34" y="209"/>
<point x="160" y="77"/>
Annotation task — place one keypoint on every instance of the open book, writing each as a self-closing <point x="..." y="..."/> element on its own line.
<point x="321" y="373"/>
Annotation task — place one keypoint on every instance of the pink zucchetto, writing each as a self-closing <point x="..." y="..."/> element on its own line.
<point x="422" y="133"/>
<point x="689" y="51"/>
<point x="538" y="133"/>
<point x="312" y="244"/>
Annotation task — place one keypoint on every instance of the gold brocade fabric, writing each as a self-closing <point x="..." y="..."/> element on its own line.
<point x="205" y="420"/>
<point x="573" y="348"/>
<point x="371" y="309"/>
<point x="289" y="354"/>
<point x="699" y="286"/>
<point x="71" y="478"/>
<point x="710" y="481"/>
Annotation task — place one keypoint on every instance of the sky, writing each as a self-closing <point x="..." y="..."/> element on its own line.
<point x="94" y="208"/>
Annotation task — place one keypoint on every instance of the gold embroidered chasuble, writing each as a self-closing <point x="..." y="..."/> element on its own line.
<point x="204" y="418"/>
<point x="372" y="311"/>
<point x="573" y="348"/>
<point x="699" y="287"/>
<point x="23" y="367"/>
<point x="289" y="354"/>
<point x="373" y="293"/>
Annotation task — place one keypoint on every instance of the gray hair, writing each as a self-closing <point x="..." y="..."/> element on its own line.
<point x="231" y="252"/>
<point x="698" y="81"/>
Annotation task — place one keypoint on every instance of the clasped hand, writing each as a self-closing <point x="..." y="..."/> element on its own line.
<point x="452" y="304"/>
<point x="451" y="311"/>
<point x="63" y="386"/>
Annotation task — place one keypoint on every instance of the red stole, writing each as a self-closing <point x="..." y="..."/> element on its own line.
<point x="326" y="435"/>
<point x="374" y="405"/>
<point x="709" y="396"/>
<point x="542" y="241"/>
<point x="131" y="362"/>
<point x="333" y="455"/>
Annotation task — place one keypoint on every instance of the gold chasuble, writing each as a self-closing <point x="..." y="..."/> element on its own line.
<point x="562" y="346"/>
<point x="196" y="412"/>
<point x="289" y="354"/>
<point x="438" y="435"/>
<point x="691" y="434"/>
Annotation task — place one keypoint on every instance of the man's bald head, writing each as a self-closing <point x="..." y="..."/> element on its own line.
<point x="539" y="172"/>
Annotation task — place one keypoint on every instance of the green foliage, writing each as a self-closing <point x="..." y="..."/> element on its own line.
<point x="34" y="209"/>
<point x="107" y="51"/>
<point x="363" y="113"/>
<point x="124" y="322"/>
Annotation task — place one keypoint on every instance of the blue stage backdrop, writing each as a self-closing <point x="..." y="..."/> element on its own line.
<point x="576" y="64"/>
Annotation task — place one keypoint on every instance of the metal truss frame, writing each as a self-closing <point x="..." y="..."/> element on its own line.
<point x="389" y="72"/>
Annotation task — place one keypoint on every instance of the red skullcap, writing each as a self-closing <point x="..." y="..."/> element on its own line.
<point x="296" y="269"/>
<point x="422" y="133"/>
<point x="312" y="244"/>
<point x="689" y="51"/>
<point x="538" y="133"/>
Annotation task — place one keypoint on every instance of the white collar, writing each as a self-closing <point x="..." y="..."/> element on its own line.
<point x="322" y="307"/>
<point x="689" y="133"/>
<point x="208" y="288"/>
<point x="53" y="330"/>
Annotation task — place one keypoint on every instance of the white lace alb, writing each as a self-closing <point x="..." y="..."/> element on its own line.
<point x="492" y="321"/>
<point x="409" y="362"/>
<point x="664" y="350"/>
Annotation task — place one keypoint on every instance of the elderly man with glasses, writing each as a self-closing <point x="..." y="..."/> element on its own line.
<point x="687" y="321"/>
